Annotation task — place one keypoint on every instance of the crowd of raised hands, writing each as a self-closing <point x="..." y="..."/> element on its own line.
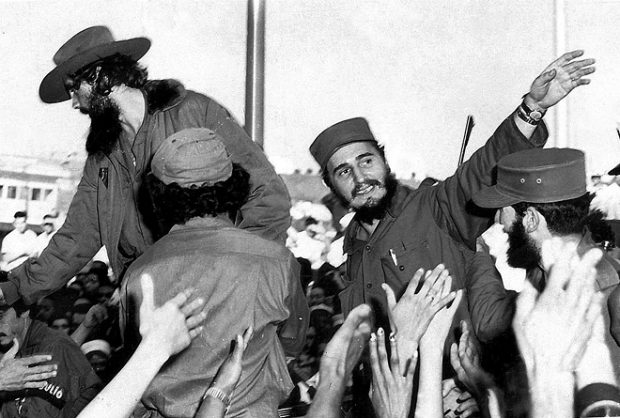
<point x="559" y="334"/>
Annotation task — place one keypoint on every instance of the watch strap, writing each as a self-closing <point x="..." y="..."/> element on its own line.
<point x="530" y="116"/>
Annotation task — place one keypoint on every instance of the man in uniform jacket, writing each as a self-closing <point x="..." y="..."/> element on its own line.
<point x="130" y="117"/>
<point x="244" y="279"/>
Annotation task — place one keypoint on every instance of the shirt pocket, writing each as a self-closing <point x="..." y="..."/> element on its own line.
<point x="400" y="263"/>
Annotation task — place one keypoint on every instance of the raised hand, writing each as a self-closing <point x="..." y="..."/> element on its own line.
<point x="559" y="79"/>
<point x="173" y="325"/>
<point x="435" y="335"/>
<point x="553" y="328"/>
<point x="229" y="373"/>
<point x="346" y="346"/>
<point x="411" y="316"/>
<point x="95" y="316"/>
<point x="391" y="390"/>
<point x="26" y="372"/>
<point x="339" y="358"/>
<point x="465" y="360"/>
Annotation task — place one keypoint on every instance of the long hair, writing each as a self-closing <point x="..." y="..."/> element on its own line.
<point x="175" y="205"/>
<point x="111" y="71"/>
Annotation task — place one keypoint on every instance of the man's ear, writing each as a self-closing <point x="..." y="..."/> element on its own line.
<point x="531" y="220"/>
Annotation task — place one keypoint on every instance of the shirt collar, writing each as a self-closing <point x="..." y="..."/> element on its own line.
<point x="205" y="222"/>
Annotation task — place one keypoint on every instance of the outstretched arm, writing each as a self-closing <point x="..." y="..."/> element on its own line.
<point x="75" y="243"/>
<point x="451" y="197"/>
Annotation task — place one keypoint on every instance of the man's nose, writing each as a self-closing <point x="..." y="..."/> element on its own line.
<point x="358" y="175"/>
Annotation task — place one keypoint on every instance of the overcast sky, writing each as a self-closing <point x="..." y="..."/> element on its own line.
<point x="414" y="69"/>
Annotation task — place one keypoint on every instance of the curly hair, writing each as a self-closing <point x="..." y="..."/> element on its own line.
<point x="175" y="205"/>
<point x="109" y="72"/>
<point x="572" y="216"/>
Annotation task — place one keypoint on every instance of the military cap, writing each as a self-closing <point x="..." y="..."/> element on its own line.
<point x="338" y="135"/>
<point x="536" y="176"/>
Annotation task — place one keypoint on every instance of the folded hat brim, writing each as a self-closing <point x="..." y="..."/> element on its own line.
<point x="491" y="197"/>
<point x="615" y="171"/>
<point x="52" y="88"/>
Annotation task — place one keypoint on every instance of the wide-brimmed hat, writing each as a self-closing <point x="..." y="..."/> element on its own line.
<point x="87" y="46"/>
<point x="536" y="176"/>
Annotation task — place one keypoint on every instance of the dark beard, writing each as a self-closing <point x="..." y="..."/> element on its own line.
<point x="368" y="214"/>
<point x="522" y="252"/>
<point x="105" y="125"/>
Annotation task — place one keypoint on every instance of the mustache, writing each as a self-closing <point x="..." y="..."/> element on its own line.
<point x="365" y="183"/>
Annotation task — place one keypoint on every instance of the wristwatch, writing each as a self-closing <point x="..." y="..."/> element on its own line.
<point x="531" y="116"/>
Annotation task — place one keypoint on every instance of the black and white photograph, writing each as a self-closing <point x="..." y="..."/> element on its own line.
<point x="310" y="208"/>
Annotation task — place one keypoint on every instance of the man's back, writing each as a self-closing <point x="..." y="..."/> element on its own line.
<point x="246" y="281"/>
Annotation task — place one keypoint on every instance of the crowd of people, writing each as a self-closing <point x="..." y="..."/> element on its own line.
<point x="491" y="293"/>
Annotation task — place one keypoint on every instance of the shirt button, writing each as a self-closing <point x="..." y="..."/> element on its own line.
<point x="369" y="285"/>
<point x="368" y="248"/>
<point x="401" y="268"/>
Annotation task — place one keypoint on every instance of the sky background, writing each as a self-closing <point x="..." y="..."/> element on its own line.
<point x="414" y="69"/>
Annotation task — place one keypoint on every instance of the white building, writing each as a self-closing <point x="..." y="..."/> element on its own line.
<point x="37" y="186"/>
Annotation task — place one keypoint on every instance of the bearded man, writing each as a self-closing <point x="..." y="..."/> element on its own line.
<point x="541" y="194"/>
<point x="130" y="118"/>
<point x="396" y="230"/>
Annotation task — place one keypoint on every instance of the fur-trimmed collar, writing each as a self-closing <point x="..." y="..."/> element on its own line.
<point x="163" y="94"/>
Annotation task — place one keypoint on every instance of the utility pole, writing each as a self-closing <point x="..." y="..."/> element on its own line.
<point x="255" y="71"/>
